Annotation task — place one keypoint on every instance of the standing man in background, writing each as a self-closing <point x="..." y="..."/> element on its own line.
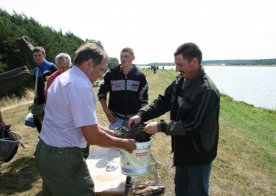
<point x="42" y="71"/>
<point x="194" y="104"/>
<point x="63" y="63"/>
<point x="128" y="90"/>
<point x="70" y="123"/>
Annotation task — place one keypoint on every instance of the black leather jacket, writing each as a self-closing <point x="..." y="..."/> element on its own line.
<point x="194" y="114"/>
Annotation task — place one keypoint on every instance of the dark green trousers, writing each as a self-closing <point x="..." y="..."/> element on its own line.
<point x="63" y="170"/>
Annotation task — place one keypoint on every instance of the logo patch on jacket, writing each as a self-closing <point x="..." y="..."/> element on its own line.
<point x="120" y="85"/>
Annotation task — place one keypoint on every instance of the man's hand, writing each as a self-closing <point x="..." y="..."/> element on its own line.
<point x="134" y="120"/>
<point x="130" y="145"/>
<point x="151" y="128"/>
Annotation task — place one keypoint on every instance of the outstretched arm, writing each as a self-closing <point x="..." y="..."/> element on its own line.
<point x="95" y="135"/>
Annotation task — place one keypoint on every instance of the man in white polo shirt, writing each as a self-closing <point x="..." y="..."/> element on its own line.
<point x="70" y="122"/>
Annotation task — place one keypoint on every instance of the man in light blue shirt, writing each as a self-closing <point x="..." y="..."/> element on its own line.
<point x="70" y="122"/>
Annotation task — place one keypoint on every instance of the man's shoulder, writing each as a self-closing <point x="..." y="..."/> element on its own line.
<point x="112" y="71"/>
<point x="210" y="85"/>
<point x="48" y="63"/>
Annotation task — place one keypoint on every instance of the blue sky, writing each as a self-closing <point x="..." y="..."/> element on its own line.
<point x="223" y="29"/>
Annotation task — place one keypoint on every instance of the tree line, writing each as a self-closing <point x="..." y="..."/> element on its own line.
<point x="14" y="26"/>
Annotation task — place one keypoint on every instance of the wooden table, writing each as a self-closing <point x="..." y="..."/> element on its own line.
<point x="106" y="182"/>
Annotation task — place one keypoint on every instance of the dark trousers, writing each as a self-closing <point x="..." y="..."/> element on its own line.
<point x="63" y="170"/>
<point x="192" y="181"/>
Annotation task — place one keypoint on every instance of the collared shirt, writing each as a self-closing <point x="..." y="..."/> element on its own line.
<point x="46" y="68"/>
<point x="70" y="105"/>
<point x="182" y="91"/>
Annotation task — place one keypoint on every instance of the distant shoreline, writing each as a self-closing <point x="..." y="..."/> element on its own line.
<point x="172" y="65"/>
<point x="237" y="62"/>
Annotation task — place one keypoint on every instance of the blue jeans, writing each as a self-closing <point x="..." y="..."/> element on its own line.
<point x="117" y="124"/>
<point x="192" y="181"/>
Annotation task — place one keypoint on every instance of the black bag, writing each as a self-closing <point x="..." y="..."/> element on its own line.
<point x="8" y="144"/>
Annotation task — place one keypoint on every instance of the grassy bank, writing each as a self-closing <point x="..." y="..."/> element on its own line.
<point x="246" y="162"/>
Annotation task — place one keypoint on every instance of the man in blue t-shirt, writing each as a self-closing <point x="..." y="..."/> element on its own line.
<point x="42" y="70"/>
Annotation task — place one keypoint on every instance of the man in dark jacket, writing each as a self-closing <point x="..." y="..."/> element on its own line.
<point x="128" y="90"/>
<point x="42" y="71"/>
<point x="193" y="101"/>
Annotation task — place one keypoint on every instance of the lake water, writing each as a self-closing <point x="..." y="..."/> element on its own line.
<point x="252" y="84"/>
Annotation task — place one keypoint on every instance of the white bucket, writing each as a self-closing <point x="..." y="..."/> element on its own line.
<point x="137" y="162"/>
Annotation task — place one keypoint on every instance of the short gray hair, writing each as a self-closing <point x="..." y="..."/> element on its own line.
<point x="62" y="57"/>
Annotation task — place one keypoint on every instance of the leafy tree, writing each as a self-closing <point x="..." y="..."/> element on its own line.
<point x="14" y="26"/>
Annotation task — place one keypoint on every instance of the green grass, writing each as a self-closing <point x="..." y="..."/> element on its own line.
<point x="245" y="164"/>
<point x="247" y="145"/>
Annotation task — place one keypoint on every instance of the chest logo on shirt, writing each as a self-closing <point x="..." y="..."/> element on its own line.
<point x="120" y="85"/>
